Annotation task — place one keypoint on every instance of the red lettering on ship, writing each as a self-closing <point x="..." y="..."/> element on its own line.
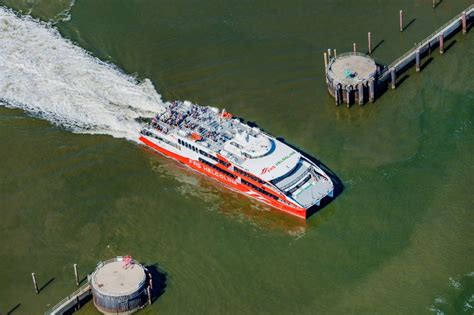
<point x="268" y="169"/>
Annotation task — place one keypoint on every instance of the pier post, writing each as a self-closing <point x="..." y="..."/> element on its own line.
<point x="354" y="47"/>
<point x="417" y="57"/>
<point x="335" y="53"/>
<point x="434" y="4"/>
<point x="464" y="22"/>
<point x="441" y="44"/>
<point x="148" y="291"/>
<point x="371" y="90"/>
<point x="76" y="274"/>
<point x="401" y="20"/>
<point x="326" y="62"/>
<point x="348" y="95"/>
<point x="329" y="54"/>
<point x="393" y="78"/>
<point x="361" y="93"/>
<point x="369" y="42"/>
<point x="34" y="282"/>
<point x="336" y="94"/>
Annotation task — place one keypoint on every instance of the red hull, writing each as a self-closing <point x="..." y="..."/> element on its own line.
<point x="205" y="169"/>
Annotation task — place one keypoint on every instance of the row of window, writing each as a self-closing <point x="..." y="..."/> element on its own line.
<point x="217" y="168"/>
<point x="304" y="181"/>
<point x="203" y="153"/>
<point x="212" y="157"/>
<point x="226" y="164"/>
<point x="187" y="145"/>
<point x="253" y="177"/>
<point x="259" y="189"/>
<point x="151" y="134"/>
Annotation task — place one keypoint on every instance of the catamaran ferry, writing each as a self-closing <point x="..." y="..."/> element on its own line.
<point x="242" y="157"/>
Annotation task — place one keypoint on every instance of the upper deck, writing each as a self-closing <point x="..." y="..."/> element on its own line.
<point x="244" y="146"/>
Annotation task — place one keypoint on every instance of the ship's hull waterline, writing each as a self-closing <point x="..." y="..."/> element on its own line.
<point x="204" y="169"/>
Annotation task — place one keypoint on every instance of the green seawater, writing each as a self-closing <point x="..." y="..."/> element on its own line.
<point x="399" y="239"/>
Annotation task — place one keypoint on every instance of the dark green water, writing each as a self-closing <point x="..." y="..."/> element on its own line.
<point x="399" y="239"/>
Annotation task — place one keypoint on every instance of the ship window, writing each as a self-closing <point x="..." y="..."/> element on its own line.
<point x="226" y="164"/>
<point x="262" y="191"/>
<point x="253" y="177"/>
<point x="217" y="168"/>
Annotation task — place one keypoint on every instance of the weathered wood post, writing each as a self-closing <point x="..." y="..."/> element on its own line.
<point x="336" y="94"/>
<point x="148" y="291"/>
<point x="441" y="43"/>
<point x="354" y="47"/>
<point x="34" y="282"/>
<point x="335" y="53"/>
<point x="464" y="22"/>
<point x="326" y="62"/>
<point x="371" y="90"/>
<point x="76" y="274"/>
<point x="417" y="57"/>
<point x="369" y="42"/>
<point x="348" y="94"/>
<point x="361" y="93"/>
<point x="401" y="20"/>
<point x="434" y="4"/>
<point x="393" y="77"/>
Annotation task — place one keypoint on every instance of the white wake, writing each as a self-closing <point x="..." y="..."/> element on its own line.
<point x="48" y="76"/>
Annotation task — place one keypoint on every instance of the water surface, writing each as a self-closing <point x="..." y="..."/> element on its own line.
<point x="76" y="188"/>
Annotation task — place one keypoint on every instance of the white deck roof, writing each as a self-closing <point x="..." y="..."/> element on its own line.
<point x="277" y="161"/>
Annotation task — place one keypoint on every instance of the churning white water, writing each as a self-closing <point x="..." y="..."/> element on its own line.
<point x="50" y="77"/>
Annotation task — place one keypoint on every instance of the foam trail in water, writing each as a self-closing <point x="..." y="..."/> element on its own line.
<point x="48" y="76"/>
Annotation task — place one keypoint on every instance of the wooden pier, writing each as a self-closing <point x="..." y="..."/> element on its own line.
<point x="386" y="76"/>
<point x="73" y="301"/>
<point x="429" y="44"/>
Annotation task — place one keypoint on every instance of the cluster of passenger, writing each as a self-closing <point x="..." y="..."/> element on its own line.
<point x="195" y="118"/>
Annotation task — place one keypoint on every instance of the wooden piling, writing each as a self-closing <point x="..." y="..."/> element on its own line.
<point x="329" y="54"/>
<point x="369" y="42"/>
<point x="371" y="90"/>
<point x="76" y="274"/>
<point x="335" y="53"/>
<point x="441" y="44"/>
<point x="336" y="94"/>
<point x="148" y="291"/>
<point x="434" y="4"/>
<point x="393" y="78"/>
<point x="401" y="20"/>
<point x="348" y="95"/>
<point x="35" y="284"/>
<point x="361" y="93"/>
<point x="464" y="22"/>
<point x="354" y="47"/>
<point x="326" y="62"/>
<point x="417" y="58"/>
